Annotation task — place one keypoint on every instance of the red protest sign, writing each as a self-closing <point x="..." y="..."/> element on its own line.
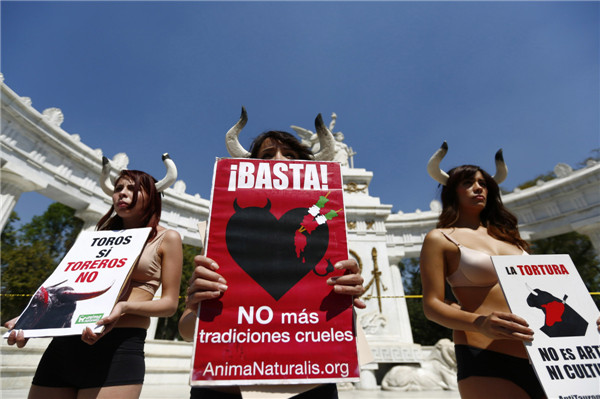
<point x="276" y="229"/>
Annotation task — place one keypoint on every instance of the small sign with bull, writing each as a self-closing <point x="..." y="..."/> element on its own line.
<point x="276" y="229"/>
<point x="85" y="285"/>
<point x="547" y="291"/>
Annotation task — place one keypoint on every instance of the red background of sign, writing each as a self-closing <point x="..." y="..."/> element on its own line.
<point x="310" y="294"/>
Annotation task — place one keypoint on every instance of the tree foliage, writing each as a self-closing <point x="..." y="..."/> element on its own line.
<point x="32" y="252"/>
<point x="425" y="332"/>
<point x="167" y="327"/>
<point x="582" y="253"/>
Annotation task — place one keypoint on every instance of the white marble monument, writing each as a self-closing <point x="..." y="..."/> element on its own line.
<point x="37" y="155"/>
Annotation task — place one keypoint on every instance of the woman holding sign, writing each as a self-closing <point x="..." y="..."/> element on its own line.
<point x="206" y="283"/>
<point x="473" y="226"/>
<point x="111" y="364"/>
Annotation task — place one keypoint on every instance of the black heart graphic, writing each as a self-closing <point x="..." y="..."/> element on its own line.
<point x="264" y="246"/>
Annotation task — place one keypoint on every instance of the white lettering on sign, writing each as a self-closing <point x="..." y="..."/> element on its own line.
<point x="281" y="177"/>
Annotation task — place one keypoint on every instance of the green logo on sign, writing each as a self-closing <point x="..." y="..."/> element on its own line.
<point x="89" y="318"/>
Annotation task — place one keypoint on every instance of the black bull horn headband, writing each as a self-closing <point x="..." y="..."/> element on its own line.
<point x="107" y="183"/>
<point x="236" y="150"/>
<point x="434" y="170"/>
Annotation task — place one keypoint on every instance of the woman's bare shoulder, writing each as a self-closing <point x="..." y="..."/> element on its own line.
<point x="170" y="235"/>
<point x="436" y="238"/>
<point x="436" y="235"/>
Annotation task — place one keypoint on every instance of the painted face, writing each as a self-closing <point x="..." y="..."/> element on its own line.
<point x="472" y="191"/>
<point x="122" y="200"/>
<point x="273" y="149"/>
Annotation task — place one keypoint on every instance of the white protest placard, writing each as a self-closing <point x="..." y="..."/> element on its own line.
<point x="547" y="291"/>
<point x="85" y="285"/>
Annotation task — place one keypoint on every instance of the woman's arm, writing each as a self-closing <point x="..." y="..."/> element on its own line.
<point x="172" y="259"/>
<point x="497" y="325"/>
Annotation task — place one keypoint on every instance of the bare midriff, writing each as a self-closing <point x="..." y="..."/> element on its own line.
<point x="131" y="320"/>
<point x="484" y="301"/>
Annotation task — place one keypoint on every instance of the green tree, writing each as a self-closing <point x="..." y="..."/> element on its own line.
<point x="167" y="327"/>
<point x="583" y="254"/>
<point x="32" y="252"/>
<point x="425" y="332"/>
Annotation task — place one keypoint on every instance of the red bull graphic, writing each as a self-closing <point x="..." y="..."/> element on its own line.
<point x="560" y="319"/>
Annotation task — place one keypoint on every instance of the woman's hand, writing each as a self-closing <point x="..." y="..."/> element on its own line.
<point x="15" y="337"/>
<point x="351" y="283"/>
<point x="501" y="325"/>
<point x="109" y="322"/>
<point x="205" y="283"/>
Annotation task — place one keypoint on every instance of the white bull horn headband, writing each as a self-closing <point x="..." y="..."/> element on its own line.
<point x="108" y="184"/>
<point x="236" y="150"/>
<point x="434" y="170"/>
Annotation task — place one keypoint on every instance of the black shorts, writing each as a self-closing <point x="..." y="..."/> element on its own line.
<point x="325" y="391"/>
<point x="116" y="359"/>
<point x="478" y="362"/>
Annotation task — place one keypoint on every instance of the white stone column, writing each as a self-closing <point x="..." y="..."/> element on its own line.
<point x="590" y="228"/>
<point x="405" y="330"/>
<point x="11" y="188"/>
<point x="90" y="219"/>
<point x="8" y="199"/>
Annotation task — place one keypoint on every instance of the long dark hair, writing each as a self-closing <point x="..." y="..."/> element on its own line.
<point x="284" y="138"/>
<point x="500" y="222"/>
<point x="153" y="208"/>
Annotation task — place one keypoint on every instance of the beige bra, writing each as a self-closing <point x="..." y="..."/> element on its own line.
<point x="147" y="273"/>
<point x="475" y="268"/>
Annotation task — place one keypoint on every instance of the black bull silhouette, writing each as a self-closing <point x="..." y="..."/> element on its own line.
<point x="561" y="319"/>
<point x="264" y="246"/>
<point x="52" y="307"/>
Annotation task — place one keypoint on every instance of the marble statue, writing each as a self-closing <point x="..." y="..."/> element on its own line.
<point x="310" y="139"/>
<point x="437" y="372"/>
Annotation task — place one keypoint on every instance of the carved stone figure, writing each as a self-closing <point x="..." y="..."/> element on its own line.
<point x="373" y="322"/>
<point x="54" y="116"/>
<point x="562" y="170"/>
<point x="310" y="139"/>
<point x="437" y="372"/>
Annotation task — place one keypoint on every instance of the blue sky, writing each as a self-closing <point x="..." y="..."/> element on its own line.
<point x="151" y="77"/>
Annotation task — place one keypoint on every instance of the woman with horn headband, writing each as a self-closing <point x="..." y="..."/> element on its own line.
<point x="473" y="226"/>
<point x="111" y="364"/>
<point x="206" y="283"/>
